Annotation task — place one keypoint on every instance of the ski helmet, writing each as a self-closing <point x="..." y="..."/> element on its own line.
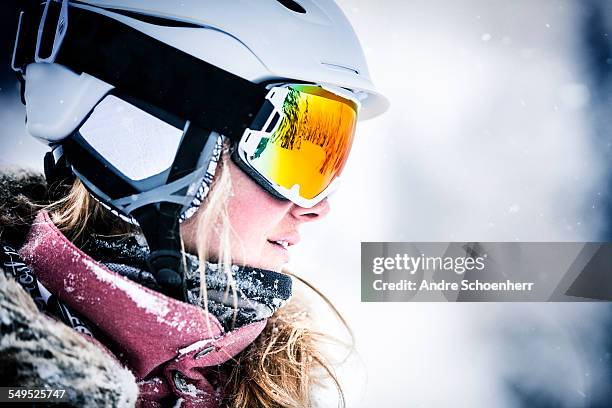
<point x="134" y="98"/>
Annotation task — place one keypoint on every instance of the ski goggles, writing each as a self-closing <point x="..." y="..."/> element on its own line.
<point x="299" y="142"/>
<point x="295" y="148"/>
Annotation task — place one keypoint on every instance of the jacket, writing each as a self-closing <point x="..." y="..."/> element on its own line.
<point x="138" y="348"/>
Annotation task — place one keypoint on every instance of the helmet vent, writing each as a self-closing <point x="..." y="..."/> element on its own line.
<point x="293" y="6"/>
<point x="340" y="67"/>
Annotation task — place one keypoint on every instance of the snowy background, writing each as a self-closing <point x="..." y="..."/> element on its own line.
<point x="498" y="131"/>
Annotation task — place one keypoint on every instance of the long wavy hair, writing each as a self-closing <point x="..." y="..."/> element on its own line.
<point x="283" y="366"/>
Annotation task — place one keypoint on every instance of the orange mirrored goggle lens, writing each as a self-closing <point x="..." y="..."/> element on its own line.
<point x="312" y="142"/>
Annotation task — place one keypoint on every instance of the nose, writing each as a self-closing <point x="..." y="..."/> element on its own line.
<point x="315" y="213"/>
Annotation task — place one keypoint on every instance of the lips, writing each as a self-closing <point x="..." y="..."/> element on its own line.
<point x="285" y="240"/>
<point x="284" y="244"/>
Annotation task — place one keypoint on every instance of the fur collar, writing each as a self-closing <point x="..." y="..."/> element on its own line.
<point x="37" y="351"/>
<point x="22" y="194"/>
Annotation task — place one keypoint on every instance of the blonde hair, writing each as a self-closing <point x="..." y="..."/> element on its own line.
<point x="283" y="365"/>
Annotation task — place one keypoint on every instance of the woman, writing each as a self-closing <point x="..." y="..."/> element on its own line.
<point x="189" y="143"/>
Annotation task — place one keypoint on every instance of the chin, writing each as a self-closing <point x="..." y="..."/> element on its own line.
<point x="276" y="267"/>
<point x="269" y="262"/>
<point x="269" y="256"/>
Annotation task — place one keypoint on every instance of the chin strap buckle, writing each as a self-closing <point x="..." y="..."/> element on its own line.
<point x="164" y="265"/>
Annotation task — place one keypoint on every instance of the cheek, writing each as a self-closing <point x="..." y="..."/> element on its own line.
<point x="253" y="213"/>
<point x="246" y="216"/>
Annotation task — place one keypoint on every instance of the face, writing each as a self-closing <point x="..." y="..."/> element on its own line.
<point x="264" y="228"/>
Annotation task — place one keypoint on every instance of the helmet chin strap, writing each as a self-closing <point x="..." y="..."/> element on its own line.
<point x="159" y="223"/>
